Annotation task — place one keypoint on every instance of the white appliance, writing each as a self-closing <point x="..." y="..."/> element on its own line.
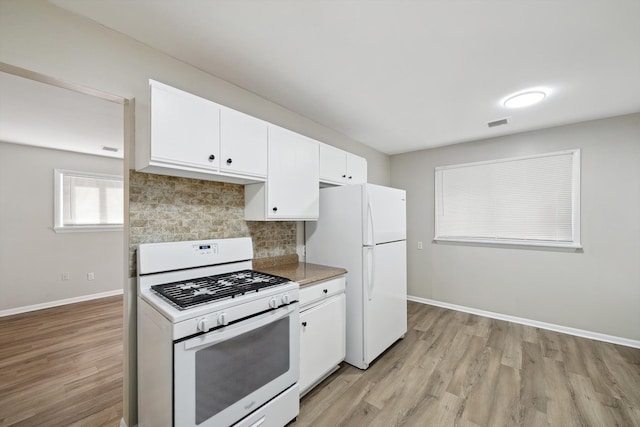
<point x="218" y="343"/>
<point x="363" y="228"/>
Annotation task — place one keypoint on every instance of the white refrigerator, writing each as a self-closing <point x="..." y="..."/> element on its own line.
<point x="362" y="228"/>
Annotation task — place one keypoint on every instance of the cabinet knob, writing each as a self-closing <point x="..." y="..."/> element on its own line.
<point x="350" y="177"/>
<point x="325" y="291"/>
<point x="212" y="158"/>
<point x="229" y="161"/>
<point x="304" y="323"/>
<point x="344" y="176"/>
<point x="275" y="209"/>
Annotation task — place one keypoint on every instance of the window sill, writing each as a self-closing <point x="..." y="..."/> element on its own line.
<point x="519" y="244"/>
<point x="87" y="228"/>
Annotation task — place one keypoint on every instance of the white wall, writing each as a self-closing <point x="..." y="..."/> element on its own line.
<point x="596" y="290"/>
<point x="41" y="37"/>
<point x="32" y="255"/>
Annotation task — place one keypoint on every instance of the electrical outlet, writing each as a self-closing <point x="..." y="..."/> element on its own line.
<point x="65" y="275"/>
<point x="419" y="245"/>
<point x="91" y="276"/>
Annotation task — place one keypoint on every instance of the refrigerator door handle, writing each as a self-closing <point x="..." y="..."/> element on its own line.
<point x="372" y="275"/>
<point x="373" y="229"/>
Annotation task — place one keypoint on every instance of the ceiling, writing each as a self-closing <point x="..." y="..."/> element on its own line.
<point x="35" y="113"/>
<point x="402" y="75"/>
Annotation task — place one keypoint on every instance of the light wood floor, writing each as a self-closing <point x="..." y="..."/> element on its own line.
<point x="62" y="366"/>
<point x="457" y="369"/>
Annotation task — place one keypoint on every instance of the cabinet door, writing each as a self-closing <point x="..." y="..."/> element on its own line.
<point x="292" y="183"/>
<point x="333" y="164"/>
<point x="243" y="143"/>
<point x="322" y="340"/>
<point x="356" y="169"/>
<point x="185" y="129"/>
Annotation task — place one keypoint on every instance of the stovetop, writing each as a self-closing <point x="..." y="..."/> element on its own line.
<point x="189" y="293"/>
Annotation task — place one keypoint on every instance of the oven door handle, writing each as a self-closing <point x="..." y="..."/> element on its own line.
<point x="234" y="330"/>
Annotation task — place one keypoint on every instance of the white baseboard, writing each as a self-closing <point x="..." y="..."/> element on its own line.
<point x="18" y="310"/>
<point x="536" y="324"/>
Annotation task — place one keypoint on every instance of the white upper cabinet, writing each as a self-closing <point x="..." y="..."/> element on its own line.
<point x="197" y="138"/>
<point x="243" y="143"/>
<point x="293" y="182"/>
<point x="291" y="191"/>
<point x="356" y="169"/>
<point x="340" y="167"/>
<point x="185" y="129"/>
<point x="333" y="164"/>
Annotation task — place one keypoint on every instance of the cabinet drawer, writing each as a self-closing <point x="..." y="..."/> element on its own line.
<point x="319" y="291"/>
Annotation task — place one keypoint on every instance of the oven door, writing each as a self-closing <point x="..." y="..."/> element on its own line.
<point x="222" y="376"/>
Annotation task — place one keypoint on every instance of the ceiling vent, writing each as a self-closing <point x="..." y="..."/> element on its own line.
<point x="498" y="122"/>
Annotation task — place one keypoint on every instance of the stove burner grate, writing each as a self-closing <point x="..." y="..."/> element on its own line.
<point x="188" y="293"/>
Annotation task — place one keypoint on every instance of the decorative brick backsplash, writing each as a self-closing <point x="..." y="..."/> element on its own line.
<point x="170" y="209"/>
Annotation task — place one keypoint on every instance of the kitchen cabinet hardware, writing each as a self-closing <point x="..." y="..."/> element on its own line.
<point x="275" y="209"/>
<point x="325" y="291"/>
<point x="350" y="177"/>
<point x="212" y="158"/>
<point x="344" y="176"/>
<point x="304" y="323"/>
<point x="229" y="161"/>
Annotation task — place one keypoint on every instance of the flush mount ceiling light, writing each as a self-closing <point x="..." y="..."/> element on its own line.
<point x="524" y="99"/>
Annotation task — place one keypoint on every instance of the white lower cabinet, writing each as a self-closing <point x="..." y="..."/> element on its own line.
<point x="322" y="332"/>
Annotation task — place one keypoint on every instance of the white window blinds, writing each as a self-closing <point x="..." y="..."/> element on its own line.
<point x="87" y="201"/>
<point x="526" y="200"/>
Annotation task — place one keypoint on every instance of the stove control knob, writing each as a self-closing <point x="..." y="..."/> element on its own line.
<point x="222" y="319"/>
<point x="273" y="302"/>
<point x="204" y="325"/>
<point x="286" y="299"/>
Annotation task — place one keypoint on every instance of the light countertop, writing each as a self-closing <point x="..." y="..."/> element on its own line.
<point x="304" y="273"/>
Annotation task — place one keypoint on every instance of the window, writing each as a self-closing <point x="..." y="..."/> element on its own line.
<point x="533" y="200"/>
<point x="87" y="201"/>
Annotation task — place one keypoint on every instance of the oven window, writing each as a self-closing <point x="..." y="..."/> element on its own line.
<point x="230" y="370"/>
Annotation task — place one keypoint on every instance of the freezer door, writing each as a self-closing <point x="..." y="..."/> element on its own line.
<point x="385" y="215"/>
<point x="385" y="296"/>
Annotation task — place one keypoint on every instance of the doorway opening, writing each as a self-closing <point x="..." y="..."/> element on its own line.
<point x="61" y="286"/>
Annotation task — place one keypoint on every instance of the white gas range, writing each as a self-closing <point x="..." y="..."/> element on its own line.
<point x="218" y="343"/>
